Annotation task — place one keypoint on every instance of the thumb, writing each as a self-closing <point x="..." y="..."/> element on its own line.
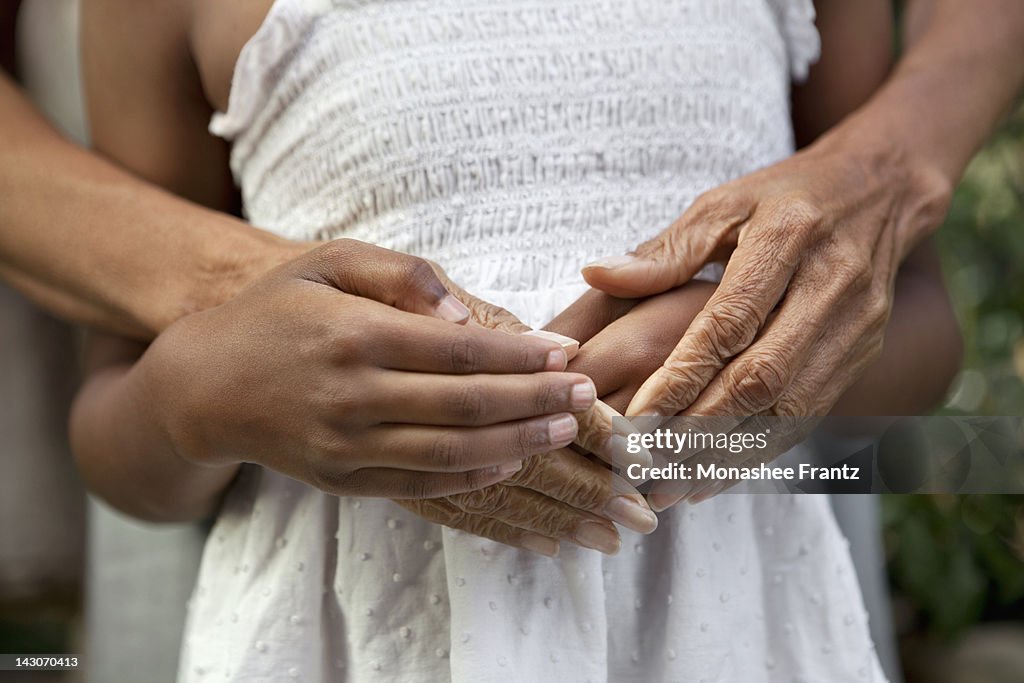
<point x="656" y="266"/>
<point x="705" y="233"/>
<point x="405" y="282"/>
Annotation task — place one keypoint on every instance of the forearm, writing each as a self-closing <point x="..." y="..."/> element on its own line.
<point x="124" y="450"/>
<point x="98" y="246"/>
<point x="962" y="68"/>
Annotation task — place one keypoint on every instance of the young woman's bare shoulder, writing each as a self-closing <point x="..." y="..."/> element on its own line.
<point x="218" y="32"/>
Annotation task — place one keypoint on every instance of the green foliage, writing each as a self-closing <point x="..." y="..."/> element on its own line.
<point x="982" y="243"/>
<point x="960" y="559"/>
<point x="957" y="558"/>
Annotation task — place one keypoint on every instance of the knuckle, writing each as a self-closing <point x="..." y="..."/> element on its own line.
<point x="335" y="482"/>
<point x="557" y="521"/>
<point x="586" y="493"/>
<point x="594" y="427"/>
<point x="704" y="205"/>
<point x="800" y="213"/>
<point x="730" y="328"/>
<point x="420" y="486"/>
<point x="533" y="471"/>
<point x="682" y="383"/>
<point x="524" y="359"/>
<point x="879" y="309"/>
<point x="525" y="439"/>
<point x="330" y="446"/>
<point x="497" y="318"/>
<point x="593" y="420"/>
<point x="343" y="404"/>
<point x="485" y="314"/>
<point x="470" y="403"/>
<point x="336" y="250"/>
<point x="790" y="406"/>
<point x="476" y="480"/>
<point x="550" y="396"/>
<point x="854" y="273"/>
<point x="761" y="380"/>
<point x="448" y="452"/>
<point x="419" y="276"/>
<point x="346" y="347"/>
<point x="662" y="244"/>
<point x="484" y="501"/>
<point x="463" y="356"/>
<point x="721" y="205"/>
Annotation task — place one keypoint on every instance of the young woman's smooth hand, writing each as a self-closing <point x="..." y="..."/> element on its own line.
<point x="315" y="372"/>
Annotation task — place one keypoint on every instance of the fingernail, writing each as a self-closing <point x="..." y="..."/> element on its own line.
<point x="597" y="537"/>
<point x="539" y="544"/>
<point x="640" y="405"/>
<point x="631" y="514"/>
<point x="568" y="344"/>
<point x="562" y="430"/>
<point x="612" y="262"/>
<point x="452" y="310"/>
<point x="557" y="360"/>
<point x="619" y="452"/>
<point x="709" y="492"/>
<point x="582" y="396"/>
<point x="660" y="502"/>
<point x="510" y="468"/>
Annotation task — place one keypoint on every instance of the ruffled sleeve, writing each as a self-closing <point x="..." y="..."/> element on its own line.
<point x="262" y="61"/>
<point x="803" y="44"/>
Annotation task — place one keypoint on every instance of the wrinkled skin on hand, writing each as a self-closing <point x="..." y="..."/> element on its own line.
<point x="813" y="246"/>
<point x="558" y="496"/>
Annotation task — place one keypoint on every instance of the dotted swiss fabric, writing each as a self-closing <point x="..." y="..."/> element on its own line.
<point x="513" y="141"/>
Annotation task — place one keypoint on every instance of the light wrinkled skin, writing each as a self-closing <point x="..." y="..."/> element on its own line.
<point x="813" y="246"/>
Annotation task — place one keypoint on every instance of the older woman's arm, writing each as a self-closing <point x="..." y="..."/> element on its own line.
<point x="817" y="239"/>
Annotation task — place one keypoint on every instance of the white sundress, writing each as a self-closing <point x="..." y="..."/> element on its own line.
<point x="513" y="141"/>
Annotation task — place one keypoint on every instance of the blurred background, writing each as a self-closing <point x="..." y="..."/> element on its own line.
<point x="955" y="564"/>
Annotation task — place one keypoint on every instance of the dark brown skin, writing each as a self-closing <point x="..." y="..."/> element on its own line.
<point x="116" y="415"/>
<point x="355" y="408"/>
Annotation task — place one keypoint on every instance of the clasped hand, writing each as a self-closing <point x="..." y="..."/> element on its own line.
<point x="356" y="370"/>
